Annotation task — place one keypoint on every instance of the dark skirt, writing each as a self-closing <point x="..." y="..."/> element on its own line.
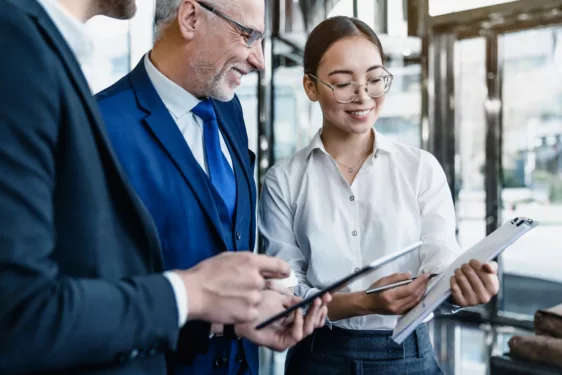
<point x="354" y="352"/>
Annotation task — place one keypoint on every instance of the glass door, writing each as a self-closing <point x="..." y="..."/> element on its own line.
<point x="506" y="107"/>
<point x="470" y="153"/>
<point x="532" y="166"/>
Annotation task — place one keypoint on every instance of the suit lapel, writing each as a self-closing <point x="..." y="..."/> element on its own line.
<point x="167" y="133"/>
<point x="77" y="78"/>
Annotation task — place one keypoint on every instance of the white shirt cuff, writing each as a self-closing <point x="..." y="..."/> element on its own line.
<point x="288" y="282"/>
<point x="181" y="295"/>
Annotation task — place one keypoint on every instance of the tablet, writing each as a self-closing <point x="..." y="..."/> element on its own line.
<point x="338" y="285"/>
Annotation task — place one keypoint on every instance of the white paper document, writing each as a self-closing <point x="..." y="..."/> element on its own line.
<point x="439" y="290"/>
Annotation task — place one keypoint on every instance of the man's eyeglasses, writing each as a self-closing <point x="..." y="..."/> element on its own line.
<point x="347" y="92"/>
<point x="252" y="36"/>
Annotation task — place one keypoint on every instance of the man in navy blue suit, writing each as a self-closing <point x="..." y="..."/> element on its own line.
<point x="179" y="132"/>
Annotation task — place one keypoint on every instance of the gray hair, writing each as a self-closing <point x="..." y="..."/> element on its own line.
<point x="167" y="10"/>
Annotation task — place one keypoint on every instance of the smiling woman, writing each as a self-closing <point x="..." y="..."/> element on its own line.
<point x="378" y="196"/>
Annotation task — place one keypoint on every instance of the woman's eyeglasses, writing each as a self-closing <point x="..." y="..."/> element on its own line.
<point x="347" y="92"/>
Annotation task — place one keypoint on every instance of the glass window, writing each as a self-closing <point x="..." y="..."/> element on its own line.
<point x="342" y="8"/>
<point x="532" y="166"/>
<point x="439" y="7"/>
<point x="119" y="45"/>
<point x="296" y="119"/>
<point x="366" y="11"/>
<point x="248" y="95"/>
<point x="400" y="118"/>
<point x="397" y="18"/>
<point x="470" y="156"/>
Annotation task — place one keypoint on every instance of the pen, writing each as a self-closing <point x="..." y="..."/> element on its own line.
<point x="400" y="283"/>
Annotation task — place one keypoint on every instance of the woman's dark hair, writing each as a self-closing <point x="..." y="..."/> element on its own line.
<point x="330" y="31"/>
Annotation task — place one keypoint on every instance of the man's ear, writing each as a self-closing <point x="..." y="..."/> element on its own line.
<point x="310" y="88"/>
<point x="189" y="18"/>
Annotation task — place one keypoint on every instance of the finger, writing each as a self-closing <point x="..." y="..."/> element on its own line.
<point x="465" y="287"/>
<point x="311" y="317"/>
<point x="288" y="320"/>
<point x="251" y="315"/>
<point x="247" y="281"/>
<point x="404" y="308"/>
<point x="326" y="298"/>
<point x="290" y="301"/>
<point x="270" y="267"/>
<point x="394" y="278"/>
<point x="490" y="281"/>
<point x="490" y="267"/>
<point x="456" y="293"/>
<point x="407" y="290"/>
<point x="477" y="284"/>
<point x="297" y="328"/>
<point x="412" y="300"/>
<point x="474" y="263"/>
<point x="322" y="317"/>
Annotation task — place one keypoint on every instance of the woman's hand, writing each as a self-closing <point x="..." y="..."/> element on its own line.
<point x="475" y="283"/>
<point x="399" y="300"/>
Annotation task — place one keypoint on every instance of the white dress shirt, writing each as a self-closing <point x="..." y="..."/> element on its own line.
<point x="73" y="31"/>
<point x="325" y="228"/>
<point x="75" y="34"/>
<point x="83" y="44"/>
<point x="180" y="103"/>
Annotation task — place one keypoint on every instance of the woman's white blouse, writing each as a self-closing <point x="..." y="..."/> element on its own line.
<point x="311" y="217"/>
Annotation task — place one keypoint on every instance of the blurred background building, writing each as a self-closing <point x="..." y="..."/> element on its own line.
<point x="477" y="82"/>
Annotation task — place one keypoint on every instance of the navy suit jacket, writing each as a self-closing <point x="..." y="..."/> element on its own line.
<point x="81" y="290"/>
<point x="182" y="200"/>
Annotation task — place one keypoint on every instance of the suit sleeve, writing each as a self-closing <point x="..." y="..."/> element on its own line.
<point x="49" y="321"/>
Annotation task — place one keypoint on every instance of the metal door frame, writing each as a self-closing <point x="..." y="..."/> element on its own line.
<point x="442" y="31"/>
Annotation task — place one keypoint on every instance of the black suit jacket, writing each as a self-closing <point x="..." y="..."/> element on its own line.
<point x="80" y="289"/>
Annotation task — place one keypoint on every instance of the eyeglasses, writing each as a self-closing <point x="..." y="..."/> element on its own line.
<point x="252" y="36"/>
<point x="347" y="92"/>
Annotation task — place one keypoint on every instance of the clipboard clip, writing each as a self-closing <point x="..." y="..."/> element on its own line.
<point x="518" y="221"/>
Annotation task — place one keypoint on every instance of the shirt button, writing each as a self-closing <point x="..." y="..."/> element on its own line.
<point x="238" y="236"/>
<point x="352" y="198"/>
<point x="134" y="354"/>
<point x="356" y="269"/>
<point x="354" y="233"/>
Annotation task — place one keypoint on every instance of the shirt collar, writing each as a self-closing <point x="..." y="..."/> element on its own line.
<point x="73" y="31"/>
<point x="175" y="98"/>
<point x="381" y="143"/>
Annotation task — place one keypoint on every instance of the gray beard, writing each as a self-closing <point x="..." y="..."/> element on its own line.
<point x="211" y="88"/>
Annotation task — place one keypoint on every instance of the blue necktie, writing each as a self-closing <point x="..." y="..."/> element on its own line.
<point x="220" y="172"/>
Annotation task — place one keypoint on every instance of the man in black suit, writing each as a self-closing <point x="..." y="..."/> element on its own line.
<point x="81" y="284"/>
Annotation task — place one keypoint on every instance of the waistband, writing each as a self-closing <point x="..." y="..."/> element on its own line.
<point x="367" y="344"/>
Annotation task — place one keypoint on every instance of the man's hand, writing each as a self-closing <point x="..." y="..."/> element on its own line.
<point x="226" y="289"/>
<point x="475" y="283"/>
<point x="289" y="331"/>
<point x="399" y="300"/>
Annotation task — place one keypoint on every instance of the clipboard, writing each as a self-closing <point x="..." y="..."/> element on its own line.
<point x="343" y="282"/>
<point x="439" y="289"/>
